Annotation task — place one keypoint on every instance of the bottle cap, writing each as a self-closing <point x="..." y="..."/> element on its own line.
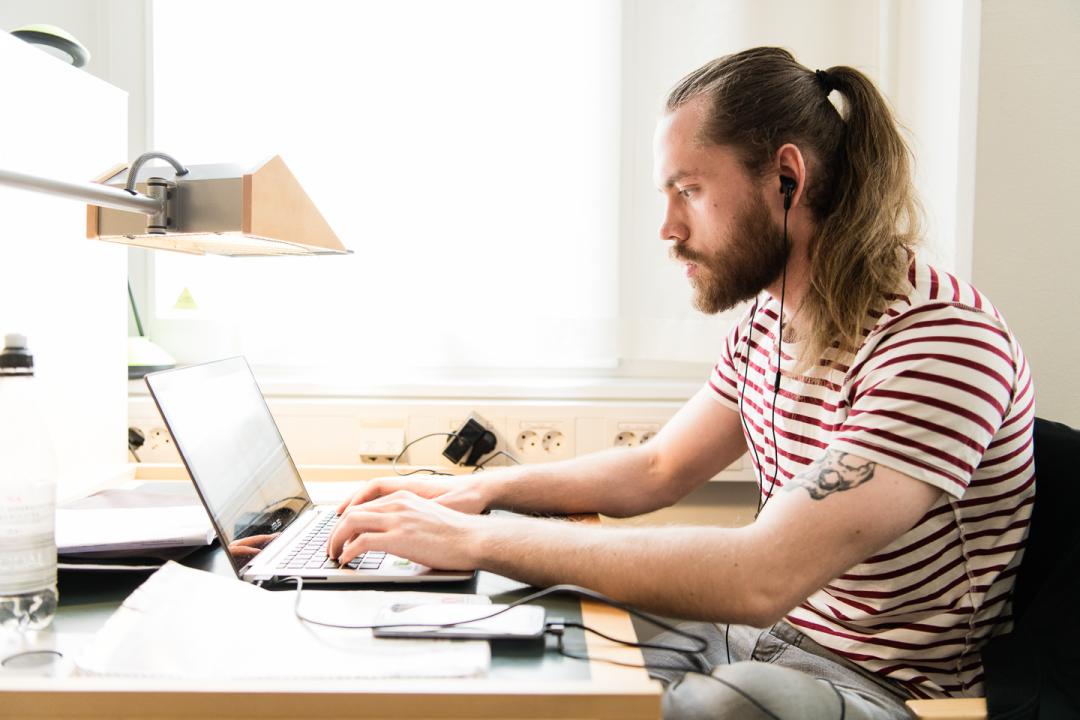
<point x="15" y="355"/>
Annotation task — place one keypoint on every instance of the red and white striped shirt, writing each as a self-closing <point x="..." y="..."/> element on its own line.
<point x="939" y="391"/>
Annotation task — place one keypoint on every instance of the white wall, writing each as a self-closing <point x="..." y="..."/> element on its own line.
<point x="116" y="34"/>
<point x="1027" y="230"/>
<point x="63" y="291"/>
<point x="114" y="31"/>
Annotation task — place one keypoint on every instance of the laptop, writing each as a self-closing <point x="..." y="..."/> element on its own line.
<point x="248" y="483"/>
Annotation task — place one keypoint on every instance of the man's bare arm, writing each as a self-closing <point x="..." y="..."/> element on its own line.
<point x="835" y="514"/>
<point x="835" y="471"/>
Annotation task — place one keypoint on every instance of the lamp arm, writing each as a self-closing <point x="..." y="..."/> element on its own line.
<point x="133" y="173"/>
<point x="92" y="193"/>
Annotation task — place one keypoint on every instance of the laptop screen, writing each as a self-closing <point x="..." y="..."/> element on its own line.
<point x="233" y="451"/>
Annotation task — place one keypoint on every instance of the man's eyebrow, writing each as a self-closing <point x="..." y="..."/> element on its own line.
<point x="681" y="175"/>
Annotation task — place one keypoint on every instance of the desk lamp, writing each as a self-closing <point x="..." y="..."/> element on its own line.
<point x="219" y="209"/>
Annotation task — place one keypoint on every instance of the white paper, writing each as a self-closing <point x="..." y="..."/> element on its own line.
<point x="130" y="528"/>
<point x="185" y="623"/>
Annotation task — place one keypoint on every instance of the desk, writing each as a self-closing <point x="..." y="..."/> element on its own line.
<point x="524" y="682"/>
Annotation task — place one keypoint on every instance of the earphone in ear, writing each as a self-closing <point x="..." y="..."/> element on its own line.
<point x="787" y="189"/>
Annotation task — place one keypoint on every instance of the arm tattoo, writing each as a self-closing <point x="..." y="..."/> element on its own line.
<point x="834" y="472"/>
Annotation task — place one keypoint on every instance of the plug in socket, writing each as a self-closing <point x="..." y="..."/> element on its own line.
<point x="470" y="443"/>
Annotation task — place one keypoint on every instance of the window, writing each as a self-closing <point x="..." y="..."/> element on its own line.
<point x="468" y="154"/>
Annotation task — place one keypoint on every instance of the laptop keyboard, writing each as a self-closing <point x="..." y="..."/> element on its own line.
<point x="309" y="553"/>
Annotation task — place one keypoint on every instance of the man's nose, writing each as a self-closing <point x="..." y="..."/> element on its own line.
<point x="672" y="229"/>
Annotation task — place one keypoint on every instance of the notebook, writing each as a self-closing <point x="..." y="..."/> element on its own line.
<point x="250" y="487"/>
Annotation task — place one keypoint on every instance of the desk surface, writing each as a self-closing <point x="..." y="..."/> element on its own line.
<point x="525" y="681"/>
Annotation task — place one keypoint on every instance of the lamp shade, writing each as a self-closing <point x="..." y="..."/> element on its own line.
<point x="222" y="210"/>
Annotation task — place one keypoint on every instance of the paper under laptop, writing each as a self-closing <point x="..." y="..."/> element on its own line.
<point x="249" y="485"/>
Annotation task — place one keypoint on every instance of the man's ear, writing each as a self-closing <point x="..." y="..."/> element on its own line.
<point x="789" y="164"/>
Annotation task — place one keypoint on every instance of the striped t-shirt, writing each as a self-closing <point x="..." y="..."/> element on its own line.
<point x="939" y="391"/>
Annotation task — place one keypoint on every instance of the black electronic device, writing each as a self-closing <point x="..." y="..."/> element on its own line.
<point x="446" y="620"/>
<point x="470" y="443"/>
<point x="787" y="189"/>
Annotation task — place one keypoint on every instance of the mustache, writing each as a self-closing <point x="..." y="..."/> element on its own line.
<point x="685" y="255"/>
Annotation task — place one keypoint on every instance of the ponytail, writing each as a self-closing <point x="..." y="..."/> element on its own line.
<point x="859" y="254"/>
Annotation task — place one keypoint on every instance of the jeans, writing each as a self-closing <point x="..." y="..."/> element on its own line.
<point x="775" y="673"/>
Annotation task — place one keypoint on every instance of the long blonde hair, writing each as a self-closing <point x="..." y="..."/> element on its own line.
<point x="859" y="188"/>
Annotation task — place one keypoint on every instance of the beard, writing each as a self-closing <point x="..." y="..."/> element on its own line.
<point x="753" y="257"/>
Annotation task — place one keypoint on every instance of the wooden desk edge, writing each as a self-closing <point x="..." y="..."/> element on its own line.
<point x="116" y="697"/>
<point x="950" y="709"/>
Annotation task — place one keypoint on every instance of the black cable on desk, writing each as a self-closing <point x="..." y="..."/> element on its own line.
<point x="554" y="628"/>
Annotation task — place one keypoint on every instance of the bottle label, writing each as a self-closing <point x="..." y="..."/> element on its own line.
<point x="27" y="539"/>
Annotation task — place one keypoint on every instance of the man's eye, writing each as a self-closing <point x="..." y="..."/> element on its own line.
<point x="685" y="193"/>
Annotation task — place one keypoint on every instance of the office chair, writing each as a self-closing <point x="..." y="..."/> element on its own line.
<point x="1034" y="671"/>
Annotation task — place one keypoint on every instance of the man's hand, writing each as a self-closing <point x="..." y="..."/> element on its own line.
<point x="461" y="493"/>
<point x="405" y="524"/>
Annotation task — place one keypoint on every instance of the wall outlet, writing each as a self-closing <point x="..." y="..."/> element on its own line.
<point x="380" y="444"/>
<point x="528" y="441"/>
<point x="544" y="440"/>
<point x="552" y="442"/>
<point x="158" y="446"/>
<point x="630" y="433"/>
<point x="158" y="439"/>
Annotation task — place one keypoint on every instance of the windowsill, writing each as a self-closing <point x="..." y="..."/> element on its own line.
<point x="546" y="385"/>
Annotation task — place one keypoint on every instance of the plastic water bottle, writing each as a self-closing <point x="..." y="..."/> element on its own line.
<point x="27" y="497"/>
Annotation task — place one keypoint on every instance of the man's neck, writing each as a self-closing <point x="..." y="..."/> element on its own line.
<point x="793" y="288"/>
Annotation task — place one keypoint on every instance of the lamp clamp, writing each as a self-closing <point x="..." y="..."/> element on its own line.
<point x="165" y="192"/>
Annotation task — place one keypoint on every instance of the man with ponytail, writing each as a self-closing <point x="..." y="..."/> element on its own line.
<point x="884" y="403"/>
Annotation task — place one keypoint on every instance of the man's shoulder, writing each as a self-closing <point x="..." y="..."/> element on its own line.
<point x="937" y="301"/>
<point x="939" y="318"/>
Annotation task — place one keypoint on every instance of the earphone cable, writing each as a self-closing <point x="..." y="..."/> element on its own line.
<point x="776" y="383"/>
<point x="742" y="413"/>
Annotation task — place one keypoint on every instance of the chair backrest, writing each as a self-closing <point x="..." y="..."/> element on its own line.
<point x="1055" y="520"/>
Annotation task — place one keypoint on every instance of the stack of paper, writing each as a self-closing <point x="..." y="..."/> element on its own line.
<point x="136" y="519"/>
<point x="185" y="623"/>
<point x="130" y="529"/>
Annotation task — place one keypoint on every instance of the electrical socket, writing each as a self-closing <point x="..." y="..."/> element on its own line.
<point x="527" y="442"/>
<point x="158" y="438"/>
<point x="629" y="434"/>
<point x="543" y="440"/>
<point x="552" y="442"/>
<point x="157" y="444"/>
